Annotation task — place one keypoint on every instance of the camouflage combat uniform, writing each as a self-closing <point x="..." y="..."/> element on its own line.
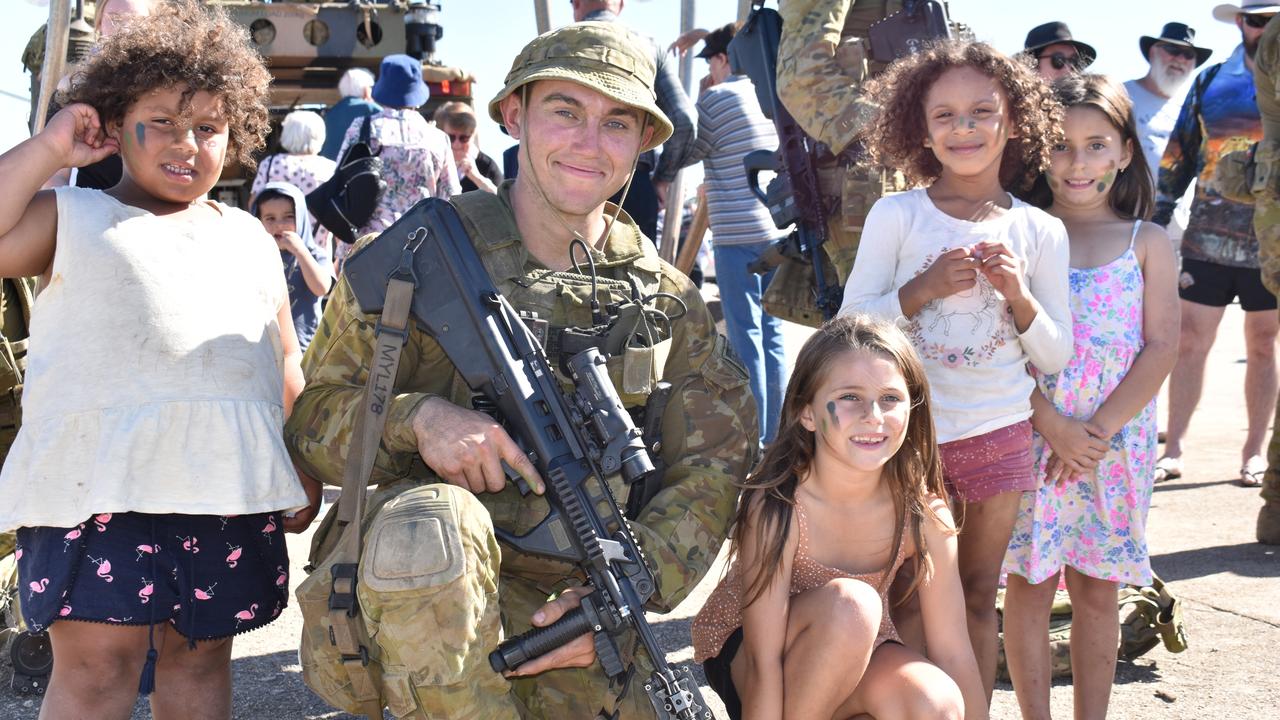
<point x="435" y="622"/>
<point x="16" y="297"/>
<point x="823" y="61"/>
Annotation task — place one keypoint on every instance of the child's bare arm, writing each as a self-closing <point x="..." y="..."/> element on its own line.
<point x="1161" y="321"/>
<point x="764" y="624"/>
<point x="28" y="218"/>
<point x="942" y="608"/>
<point x="293" y="382"/>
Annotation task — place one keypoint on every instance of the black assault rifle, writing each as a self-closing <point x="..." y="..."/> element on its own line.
<point x="575" y="439"/>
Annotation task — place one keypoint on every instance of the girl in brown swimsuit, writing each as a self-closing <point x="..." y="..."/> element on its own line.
<point x="799" y="627"/>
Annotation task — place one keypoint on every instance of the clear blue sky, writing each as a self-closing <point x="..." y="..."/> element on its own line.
<point x="483" y="36"/>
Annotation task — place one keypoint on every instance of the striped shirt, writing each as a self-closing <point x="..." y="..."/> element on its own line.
<point x="730" y="125"/>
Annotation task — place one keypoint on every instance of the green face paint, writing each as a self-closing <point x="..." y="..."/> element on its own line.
<point x="831" y="410"/>
<point x="140" y="132"/>
<point x="1107" y="181"/>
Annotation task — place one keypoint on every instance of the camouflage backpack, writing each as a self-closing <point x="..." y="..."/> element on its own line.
<point x="1151" y="615"/>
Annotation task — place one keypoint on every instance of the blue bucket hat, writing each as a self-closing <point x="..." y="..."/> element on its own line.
<point x="400" y="83"/>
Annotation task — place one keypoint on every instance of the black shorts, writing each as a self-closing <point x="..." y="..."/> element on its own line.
<point x="210" y="576"/>
<point x="1206" y="283"/>
<point x="719" y="677"/>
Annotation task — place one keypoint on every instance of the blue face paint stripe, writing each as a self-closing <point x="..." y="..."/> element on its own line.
<point x="140" y="132"/>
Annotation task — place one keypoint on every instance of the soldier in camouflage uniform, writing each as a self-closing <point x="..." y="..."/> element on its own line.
<point x="1236" y="177"/>
<point x="823" y="61"/>
<point x="16" y="297"/>
<point x="580" y="101"/>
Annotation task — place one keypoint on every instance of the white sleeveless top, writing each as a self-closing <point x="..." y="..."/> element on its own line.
<point x="154" y="380"/>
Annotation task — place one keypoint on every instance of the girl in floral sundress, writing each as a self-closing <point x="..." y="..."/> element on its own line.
<point x="1095" y="421"/>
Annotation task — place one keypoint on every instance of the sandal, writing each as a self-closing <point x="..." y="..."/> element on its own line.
<point x="1168" y="468"/>
<point x="1253" y="471"/>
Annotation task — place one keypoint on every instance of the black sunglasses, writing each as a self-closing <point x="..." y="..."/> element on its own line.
<point x="1059" y="61"/>
<point x="1257" y="20"/>
<point x="1177" y="51"/>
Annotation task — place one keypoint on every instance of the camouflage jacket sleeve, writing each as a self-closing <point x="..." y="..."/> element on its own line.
<point x="1266" y="185"/>
<point x="709" y="440"/>
<point x="336" y="365"/>
<point x="824" y="97"/>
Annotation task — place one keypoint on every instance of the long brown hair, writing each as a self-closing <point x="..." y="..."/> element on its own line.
<point x="913" y="473"/>
<point x="1133" y="193"/>
<point x="895" y="138"/>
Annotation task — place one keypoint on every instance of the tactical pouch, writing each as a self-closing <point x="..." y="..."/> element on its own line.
<point x="790" y="295"/>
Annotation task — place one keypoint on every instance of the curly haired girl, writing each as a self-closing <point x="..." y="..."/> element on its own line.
<point x="977" y="277"/>
<point x="849" y="492"/>
<point x="149" y="476"/>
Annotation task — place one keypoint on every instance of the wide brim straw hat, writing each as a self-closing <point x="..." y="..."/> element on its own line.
<point x="603" y="56"/>
<point x="1227" y="12"/>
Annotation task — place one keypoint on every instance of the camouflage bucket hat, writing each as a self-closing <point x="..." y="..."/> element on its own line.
<point x="603" y="56"/>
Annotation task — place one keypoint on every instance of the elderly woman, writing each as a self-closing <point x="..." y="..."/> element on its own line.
<point x="301" y="138"/>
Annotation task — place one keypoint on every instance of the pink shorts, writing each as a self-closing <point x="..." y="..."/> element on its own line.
<point x="979" y="468"/>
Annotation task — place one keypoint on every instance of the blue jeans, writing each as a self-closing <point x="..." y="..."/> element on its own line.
<point x="754" y="335"/>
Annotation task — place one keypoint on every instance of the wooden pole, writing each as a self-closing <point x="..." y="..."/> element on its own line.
<point x="693" y="241"/>
<point x="675" y="194"/>
<point x="542" y="15"/>
<point x="55" y="58"/>
<point x="744" y="9"/>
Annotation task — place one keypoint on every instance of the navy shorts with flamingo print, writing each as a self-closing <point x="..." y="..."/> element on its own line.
<point x="210" y="576"/>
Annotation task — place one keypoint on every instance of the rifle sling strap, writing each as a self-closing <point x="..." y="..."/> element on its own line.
<point x="347" y="629"/>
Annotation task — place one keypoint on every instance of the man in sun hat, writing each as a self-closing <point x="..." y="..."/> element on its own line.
<point x="580" y="101"/>
<point x="1219" y="247"/>
<point x="1157" y="96"/>
<point x="1056" y="52"/>
<point x="417" y="162"/>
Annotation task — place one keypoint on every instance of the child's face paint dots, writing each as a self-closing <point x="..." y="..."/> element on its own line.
<point x="1085" y="164"/>
<point x="174" y="156"/>
<point x="862" y="408"/>
<point x="967" y="122"/>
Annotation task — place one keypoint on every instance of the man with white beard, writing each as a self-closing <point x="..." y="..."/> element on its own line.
<point x="1156" y="97"/>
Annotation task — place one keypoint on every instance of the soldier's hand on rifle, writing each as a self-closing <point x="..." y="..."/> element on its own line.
<point x="578" y="653"/>
<point x="76" y="136"/>
<point x="467" y="448"/>
<point x="954" y="271"/>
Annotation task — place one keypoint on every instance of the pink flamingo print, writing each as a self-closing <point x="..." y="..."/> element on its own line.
<point x="234" y="557"/>
<point x="246" y="615"/>
<point x="37" y="586"/>
<point x="65" y="611"/>
<point x="147" y="550"/>
<point x="66" y="539"/>
<point x="104" y="568"/>
<point x="147" y="589"/>
<point x="283" y="578"/>
<point x="270" y="527"/>
<point x="17" y="554"/>
<point x="189" y="544"/>
<point x="101" y="521"/>
<point x="207" y="593"/>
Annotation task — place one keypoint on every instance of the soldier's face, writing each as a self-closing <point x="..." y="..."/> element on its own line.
<point x="581" y="144"/>
<point x="967" y="121"/>
<point x="1084" y="166"/>
<point x="859" y="414"/>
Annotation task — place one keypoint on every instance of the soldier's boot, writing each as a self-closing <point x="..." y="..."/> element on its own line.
<point x="429" y="591"/>
<point x="1269" y="516"/>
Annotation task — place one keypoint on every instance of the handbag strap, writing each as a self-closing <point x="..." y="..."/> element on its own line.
<point x="364" y="130"/>
<point x="348" y="631"/>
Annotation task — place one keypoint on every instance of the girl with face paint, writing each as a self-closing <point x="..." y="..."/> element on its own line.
<point x="162" y="364"/>
<point x="849" y="492"/>
<point x="1095" y="440"/>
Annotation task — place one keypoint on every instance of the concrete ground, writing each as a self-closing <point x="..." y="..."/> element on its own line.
<point x="1201" y="539"/>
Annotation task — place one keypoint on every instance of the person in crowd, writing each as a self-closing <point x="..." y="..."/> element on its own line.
<point x="1055" y="52"/>
<point x="730" y="125"/>
<point x="416" y="160"/>
<point x="308" y="268"/>
<point x="653" y="176"/>
<point x="591" y="99"/>
<point x="356" y="87"/>
<point x="131" y="463"/>
<point x="1095" y="421"/>
<point x="1219" y="247"/>
<point x="977" y="277"/>
<point x="852" y="489"/>
<point x="476" y="171"/>
<point x="300" y="165"/>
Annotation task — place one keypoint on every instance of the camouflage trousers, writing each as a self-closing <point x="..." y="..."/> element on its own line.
<point x="1266" y="225"/>
<point x="436" y="602"/>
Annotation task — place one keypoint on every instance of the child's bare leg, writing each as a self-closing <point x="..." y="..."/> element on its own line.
<point x="192" y="684"/>
<point x="900" y="684"/>
<point x="95" y="671"/>
<point x="1026" y="642"/>
<point x="1095" y="638"/>
<point x="985" y="528"/>
<point x="830" y="633"/>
